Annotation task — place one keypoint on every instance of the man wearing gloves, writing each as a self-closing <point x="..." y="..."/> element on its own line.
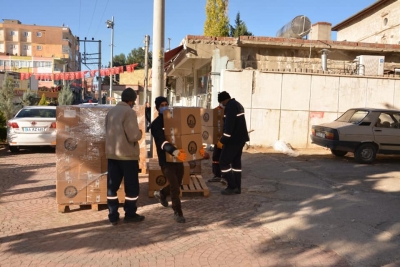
<point x="172" y="171"/>
<point x="235" y="135"/>
<point x="122" y="151"/>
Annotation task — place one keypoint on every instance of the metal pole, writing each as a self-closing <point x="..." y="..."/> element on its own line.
<point x="112" y="52"/>
<point x="146" y="66"/>
<point x="99" y="98"/>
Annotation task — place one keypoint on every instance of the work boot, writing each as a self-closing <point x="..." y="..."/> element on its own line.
<point x="179" y="218"/>
<point x="135" y="218"/>
<point x="237" y="190"/>
<point x="114" y="223"/>
<point x="224" y="181"/>
<point x="163" y="200"/>
<point x="214" y="179"/>
<point x="228" y="191"/>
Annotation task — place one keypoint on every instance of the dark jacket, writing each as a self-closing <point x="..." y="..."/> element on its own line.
<point x="235" y="129"/>
<point x="157" y="131"/>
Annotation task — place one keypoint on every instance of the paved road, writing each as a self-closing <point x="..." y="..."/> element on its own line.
<point x="311" y="210"/>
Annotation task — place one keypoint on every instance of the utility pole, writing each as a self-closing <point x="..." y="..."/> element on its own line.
<point x="146" y="66"/>
<point x="110" y="24"/>
<point x="169" y="44"/>
<point x="99" y="97"/>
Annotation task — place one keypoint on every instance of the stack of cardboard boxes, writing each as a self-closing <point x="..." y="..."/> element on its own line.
<point x="80" y="152"/>
<point x="212" y="125"/>
<point x="182" y="128"/>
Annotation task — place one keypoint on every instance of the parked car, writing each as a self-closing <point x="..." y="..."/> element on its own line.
<point x="363" y="131"/>
<point x="32" y="126"/>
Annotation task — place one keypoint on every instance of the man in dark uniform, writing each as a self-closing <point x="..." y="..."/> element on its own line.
<point x="234" y="137"/>
<point x="173" y="171"/>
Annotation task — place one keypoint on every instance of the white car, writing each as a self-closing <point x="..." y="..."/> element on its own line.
<point x="32" y="126"/>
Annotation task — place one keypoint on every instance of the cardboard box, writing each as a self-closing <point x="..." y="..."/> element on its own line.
<point x="71" y="191"/>
<point x="195" y="166"/>
<point x="67" y="167"/>
<point x="190" y="143"/>
<point x="157" y="180"/>
<point x="71" y="143"/>
<point x="211" y="135"/>
<point x="96" y="148"/>
<point x="212" y="117"/>
<point x="97" y="190"/>
<point x="182" y="121"/>
<point x="186" y="174"/>
<point x="68" y="118"/>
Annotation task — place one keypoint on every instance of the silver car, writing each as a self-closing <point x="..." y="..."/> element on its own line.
<point x="32" y="126"/>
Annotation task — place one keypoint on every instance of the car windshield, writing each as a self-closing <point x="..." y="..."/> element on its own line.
<point x="36" y="113"/>
<point x="353" y="116"/>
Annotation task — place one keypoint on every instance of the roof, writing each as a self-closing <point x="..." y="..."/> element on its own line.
<point x="358" y="15"/>
<point x="170" y="55"/>
<point x="376" y="109"/>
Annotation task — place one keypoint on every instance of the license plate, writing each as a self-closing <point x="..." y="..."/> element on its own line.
<point x="320" y="134"/>
<point x="34" y="129"/>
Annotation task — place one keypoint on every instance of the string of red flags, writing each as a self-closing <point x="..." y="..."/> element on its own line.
<point x="77" y="74"/>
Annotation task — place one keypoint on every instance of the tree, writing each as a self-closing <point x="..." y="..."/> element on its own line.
<point x="29" y="98"/>
<point x="7" y="106"/>
<point x="217" y="21"/>
<point x="65" y="96"/>
<point x="240" y="28"/>
<point x="43" y="101"/>
<point x="137" y="55"/>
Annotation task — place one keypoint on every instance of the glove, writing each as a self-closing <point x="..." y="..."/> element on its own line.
<point x="202" y="152"/>
<point x="220" y="145"/>
<point x="179" y="154"/>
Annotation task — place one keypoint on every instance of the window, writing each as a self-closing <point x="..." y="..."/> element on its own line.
<point x="12" y="33"/>
<point x="12" y="46"/>
<point x="38" y="47"/>
<point x="26" y="34"/>
<point x="39" y="34"/>
<point x="385" y="21"/>
<point x="353" y="116"/>
<point x="26" y="47"/>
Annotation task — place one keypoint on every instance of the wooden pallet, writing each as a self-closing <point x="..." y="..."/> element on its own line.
<point x="62" y="208"/>
<point x="196" y="185"/>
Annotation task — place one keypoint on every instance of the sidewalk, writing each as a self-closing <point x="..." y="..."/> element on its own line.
<point x="220" y="230"/>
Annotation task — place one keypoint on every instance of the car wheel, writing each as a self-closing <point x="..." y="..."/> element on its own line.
<point x="338" y="153"/>
<point x="365" y="153"/>
<point x="13" y="149"/>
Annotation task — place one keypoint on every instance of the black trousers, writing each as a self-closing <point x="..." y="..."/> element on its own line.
<point x="216" y="170"/>
<point x="118" y="169"/>
<point x="174" y="173"/>
<point x="230" y="163"/>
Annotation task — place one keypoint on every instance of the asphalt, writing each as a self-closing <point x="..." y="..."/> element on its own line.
<point x="220" y="230"/>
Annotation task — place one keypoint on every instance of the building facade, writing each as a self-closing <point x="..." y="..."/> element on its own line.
<point x="38" y="49"/>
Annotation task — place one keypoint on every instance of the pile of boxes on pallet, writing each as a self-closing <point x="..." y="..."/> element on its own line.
<point x="182" y="128"/>
<point x="80" y="152"/>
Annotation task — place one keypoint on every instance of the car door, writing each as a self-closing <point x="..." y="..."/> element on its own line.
<point x="387" y="131"/>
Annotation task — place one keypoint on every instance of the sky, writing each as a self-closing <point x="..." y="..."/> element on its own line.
<point x="133" y="19"/>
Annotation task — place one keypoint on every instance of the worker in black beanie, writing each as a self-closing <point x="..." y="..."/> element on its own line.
<point x="173" y="171"/>
<point x="234" y="137"/>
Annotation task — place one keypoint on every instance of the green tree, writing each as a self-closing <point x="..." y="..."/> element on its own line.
<point x="65" y="96"/>
<point x="29" y="98"/>
<point x="7" y="106"/>
<point x="137" y="55"/>
<point x="217" y="21"/>
<point x="43" y="101"/>
<point x="240" y="28"/>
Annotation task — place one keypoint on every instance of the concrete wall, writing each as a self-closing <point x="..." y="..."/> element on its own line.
<point x="283" y="106"/>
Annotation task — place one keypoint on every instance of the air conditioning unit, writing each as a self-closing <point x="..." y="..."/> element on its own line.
<point x="370" y="65"/>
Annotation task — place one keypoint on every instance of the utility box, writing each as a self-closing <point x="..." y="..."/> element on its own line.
<point x="370" y="65"/>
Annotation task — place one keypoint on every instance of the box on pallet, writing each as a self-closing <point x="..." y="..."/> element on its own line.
<point x="212" y="117"/>
<point x="67" y="118"/>
<point x="157" y="180"/>
<point x="190" y="143"/>
<point x="182" y="121"/>
<point x="71" y="191"/>
<point x="195" y="166"/>
<point x="211" y="134"/>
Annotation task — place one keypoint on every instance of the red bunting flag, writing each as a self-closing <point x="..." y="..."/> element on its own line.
<point x="102" y="72"/>
<point x="93" y="73"/>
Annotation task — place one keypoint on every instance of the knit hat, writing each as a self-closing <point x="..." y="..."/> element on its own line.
<point x="159" y="100"/>
<point x="223" y="96"/>
<point x="128" y="95"/>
